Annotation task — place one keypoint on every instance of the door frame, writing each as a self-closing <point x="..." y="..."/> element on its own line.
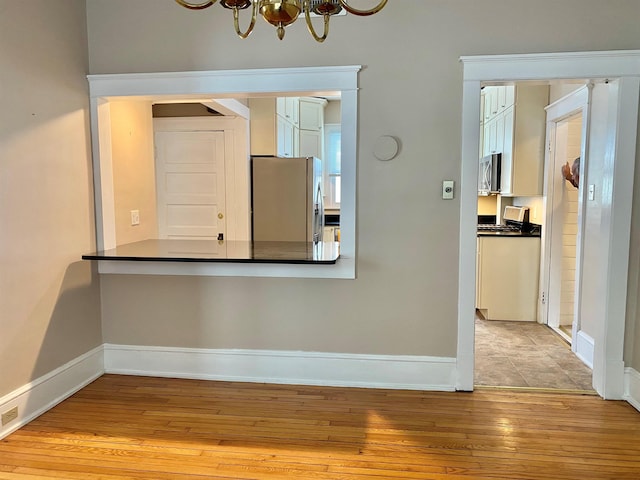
<point x="236" y="165"/>
<point x="622" y="65"/>
<point x="566" y="107"/>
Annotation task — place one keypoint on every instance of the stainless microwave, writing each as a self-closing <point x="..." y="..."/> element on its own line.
<point x="489" y="174"/>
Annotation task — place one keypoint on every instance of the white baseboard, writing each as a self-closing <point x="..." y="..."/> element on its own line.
<point x="585" y="347"/>
<point x="632" y="387"/>
<point x="284" y="367"/>
<point x="38" y="396"/>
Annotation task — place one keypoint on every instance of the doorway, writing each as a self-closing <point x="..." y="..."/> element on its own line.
<point x="618" y="105"/>
<point x="566" y="160"/>
<point x="522" y="348"/>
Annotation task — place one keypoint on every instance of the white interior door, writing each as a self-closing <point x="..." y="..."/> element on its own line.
<point x="190" y="180"/>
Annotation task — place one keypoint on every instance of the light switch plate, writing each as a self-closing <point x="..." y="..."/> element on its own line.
<point x="135" y="217"/>
<point x="447" y="189"/>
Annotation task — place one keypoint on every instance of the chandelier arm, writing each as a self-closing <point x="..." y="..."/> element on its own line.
<point x="312" y="31"/>
<point x="236" y="21"/>
<point x="196" y="6"/>
<point x="362" y="13"/>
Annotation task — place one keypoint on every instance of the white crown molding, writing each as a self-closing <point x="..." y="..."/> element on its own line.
<point x="225" y="82"/>
<point x="548" y="66"/>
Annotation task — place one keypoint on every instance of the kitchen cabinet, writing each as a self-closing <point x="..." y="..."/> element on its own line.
<point x="330" y="234"/>
<point x="311" y="135"/>
<point x="289" y="109"/>
<point x="523" y="142"/>
<point x="493" y="133"/>
<point x="312" y="113"/>
<point x="496" y="100"/>
<point x="514" y="125"/>
<point x="507" y="277"/>
<point x="287" y="135"/>
<point x="311" y="143"/>
<point x="287" y="126"/>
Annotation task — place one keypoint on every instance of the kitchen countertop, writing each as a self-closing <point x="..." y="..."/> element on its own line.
<point x="488" y="233"/>
<point x="154" y="250"/>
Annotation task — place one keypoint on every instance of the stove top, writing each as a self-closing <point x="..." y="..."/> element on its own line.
<point x="499" y="228"/>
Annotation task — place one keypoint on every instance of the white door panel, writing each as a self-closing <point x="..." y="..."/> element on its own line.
<point x="190" y="184"/>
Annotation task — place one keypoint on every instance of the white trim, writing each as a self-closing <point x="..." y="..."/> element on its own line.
<point x="229" y="106"/>
<point x="578" y="101"/>
<point x="42" y="394"/>
<point x="608" y="365"/>
<point x="218" y="83"/>
<point x="283" y="367"/>
<point x="585" y="348"/>
<point x="551" y="66"/>
<point x="343" y="268"/>
<point x="632" y="387"/>
<point x="236" y="165"/>
<point x="175" y="86"/>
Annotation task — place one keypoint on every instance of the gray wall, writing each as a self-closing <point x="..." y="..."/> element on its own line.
<point x="49" y="297"/>
<point x="405" y="298"/>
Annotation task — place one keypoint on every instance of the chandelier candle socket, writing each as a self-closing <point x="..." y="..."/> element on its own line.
<point x="281" y="13"/>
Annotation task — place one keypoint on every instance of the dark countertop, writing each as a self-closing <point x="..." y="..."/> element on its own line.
<point x="332" y="220"/>
<point x="155" y="250"/>
<point x="508" y="234"/>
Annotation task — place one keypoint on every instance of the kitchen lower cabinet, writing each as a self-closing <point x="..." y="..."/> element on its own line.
<point x="331" y="234"/>
<point x="507" y="277"/>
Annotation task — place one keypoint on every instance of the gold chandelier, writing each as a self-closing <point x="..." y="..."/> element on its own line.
<point x="281" y="13"/>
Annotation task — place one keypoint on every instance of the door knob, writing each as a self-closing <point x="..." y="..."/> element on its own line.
<point x="220" y="216"/>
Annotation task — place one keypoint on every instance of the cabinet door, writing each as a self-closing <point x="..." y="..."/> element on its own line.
<point x="310" y="144"/>
<point x="328" y="234"/>
<point x="490" y="141"/>
<point x="490" y="102"/>
<point x="506" y="185"/>
<point x="311" y="115"/>
<point x="286" y="145"/>
<point x="287" y="108"/>
<point x="509" y="277"/>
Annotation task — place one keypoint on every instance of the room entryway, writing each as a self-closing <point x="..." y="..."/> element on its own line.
<point x="526" y="355"/>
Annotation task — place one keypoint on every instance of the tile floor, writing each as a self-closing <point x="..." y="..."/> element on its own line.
<point x="525" y="354"/>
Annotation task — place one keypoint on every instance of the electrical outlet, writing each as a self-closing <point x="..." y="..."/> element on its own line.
<point x="447" y="189"/>
<point x="135" y="217"/>
<point x="9" y="416"/>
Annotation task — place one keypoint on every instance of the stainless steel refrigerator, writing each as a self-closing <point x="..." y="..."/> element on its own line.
<point x="286" y="199"/>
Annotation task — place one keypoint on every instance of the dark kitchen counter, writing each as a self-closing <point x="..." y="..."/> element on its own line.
<point x="332" y="220"/>
<point x="485" y="233"/>
<point x="154" y="250"/>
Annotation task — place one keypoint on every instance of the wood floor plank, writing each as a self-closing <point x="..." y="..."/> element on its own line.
<point x="136" y="428"/>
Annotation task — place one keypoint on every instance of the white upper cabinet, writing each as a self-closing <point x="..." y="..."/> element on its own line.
<point x="288" y="108"/>
<point x="514" y="125"/>
<point x="287" y="126"/>
<point x="523" y="146"/>
<point x="286" y="139"/>
<point x="496" y="100"/>
<point x="311" y="143"/>
<point x="312" y="114"/>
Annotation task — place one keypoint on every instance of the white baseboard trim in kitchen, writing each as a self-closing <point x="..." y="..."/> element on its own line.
<point x="38" y="396"/>
<point x="284" y="367"/>
<point x="585" y="347"/>
<point x="632" y="387"/>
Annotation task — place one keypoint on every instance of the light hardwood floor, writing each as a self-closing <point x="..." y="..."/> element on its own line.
<point x="122" y="427"/>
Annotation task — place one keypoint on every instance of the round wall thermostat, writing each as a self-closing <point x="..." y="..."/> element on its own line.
<point x="385" y="148"/>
